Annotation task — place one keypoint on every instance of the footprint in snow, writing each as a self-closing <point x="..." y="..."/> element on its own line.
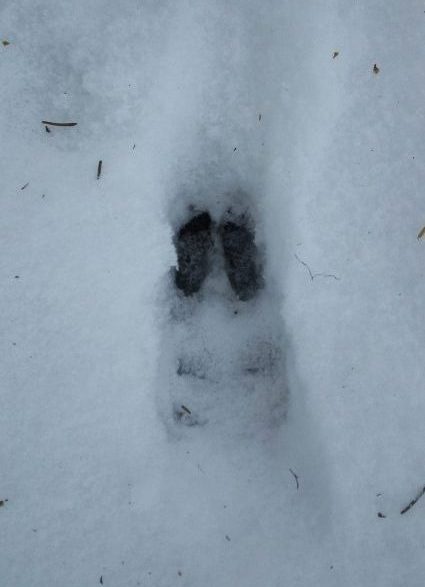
<point x="222" y="363"/>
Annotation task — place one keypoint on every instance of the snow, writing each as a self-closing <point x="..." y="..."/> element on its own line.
<point x="100" y="480"/>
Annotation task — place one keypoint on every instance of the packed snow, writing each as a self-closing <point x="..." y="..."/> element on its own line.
<point x="300" y="439"/>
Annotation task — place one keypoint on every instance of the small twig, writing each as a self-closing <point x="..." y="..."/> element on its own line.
<point x="421" y="233"/>
<point x="99" y="169"/>
<point x="47" y="129"/>
<point x="327" y="275"/>
<point x="296" y="478"/>
<point x="412" y="503"/>
<point x="306" y="266"/>
<point x="25" y="186"/>
<point x="186" y="409"/>
<point x="314" y="275"/>
<point x="381" y="515"/>
<point x="58" y="123"/>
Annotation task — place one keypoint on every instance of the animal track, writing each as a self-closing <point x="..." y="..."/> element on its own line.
<point x="222" y="365"/>
<point x="194" y="243"/>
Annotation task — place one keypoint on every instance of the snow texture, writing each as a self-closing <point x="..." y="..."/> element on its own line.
<point x="159" y="439"/>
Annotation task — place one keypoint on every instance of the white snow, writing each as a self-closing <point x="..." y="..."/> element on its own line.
<point x="100" y="482"/>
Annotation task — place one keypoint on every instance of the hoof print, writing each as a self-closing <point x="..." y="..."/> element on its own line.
<point x="222" y="364"/>
<point x="193" y="244"/>
<point x="242" y="263"/>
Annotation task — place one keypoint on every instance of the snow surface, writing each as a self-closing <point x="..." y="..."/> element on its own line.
<point x="100" y="485"/>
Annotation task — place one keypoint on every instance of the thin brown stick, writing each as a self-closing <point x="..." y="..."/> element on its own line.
<point x="296" y="478"/>
<point x="414" y="501"/>
<point x="58" y="123"/>
<point x="99" y="169"/>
